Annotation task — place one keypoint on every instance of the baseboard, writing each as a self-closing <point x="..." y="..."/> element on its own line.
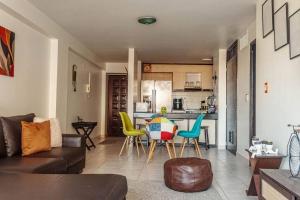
<point x="244" y="155"/>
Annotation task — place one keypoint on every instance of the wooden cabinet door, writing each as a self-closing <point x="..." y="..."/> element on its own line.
<point x="117" y="102"/>
<point x="178" y="80"/>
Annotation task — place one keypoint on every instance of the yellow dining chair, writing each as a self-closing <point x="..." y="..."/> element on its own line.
<point x="129" y="131"/>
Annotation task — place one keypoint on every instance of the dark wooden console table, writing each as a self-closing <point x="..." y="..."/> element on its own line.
<point x="264" y="161"/>
<point x="87" y="129"/>
<point x="277" y="184"/>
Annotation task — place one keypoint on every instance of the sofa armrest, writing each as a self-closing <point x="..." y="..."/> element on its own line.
<point x="73" y="140"/>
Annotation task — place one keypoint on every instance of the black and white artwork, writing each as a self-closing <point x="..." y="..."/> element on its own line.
<point x="267" y="17"/>
<point x="294" y="25"/>
<point x="281" y="36"/>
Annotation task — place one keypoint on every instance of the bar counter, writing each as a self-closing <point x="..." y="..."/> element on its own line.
<point x="145" y="115"/>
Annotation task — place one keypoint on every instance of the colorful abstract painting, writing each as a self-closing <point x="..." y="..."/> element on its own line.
<point x="7" y="41"/>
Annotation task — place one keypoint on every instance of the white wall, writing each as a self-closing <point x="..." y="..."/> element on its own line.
<point x="28" y="91"/>
<point x="116" y="68"/>
<point x="243" y="92"/>
<point x="55" y="103"/>
<point x="30" y="16"/>
<point x="82" y="104"/>
<point x="281" y="105"/>
<point x="220" y="68"/>
<point x="132" y="81"/>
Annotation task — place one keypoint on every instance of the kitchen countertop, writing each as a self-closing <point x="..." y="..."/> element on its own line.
<point x="176" y="115"/>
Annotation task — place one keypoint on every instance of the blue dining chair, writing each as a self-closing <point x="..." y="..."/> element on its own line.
<point x="193" y="134"/>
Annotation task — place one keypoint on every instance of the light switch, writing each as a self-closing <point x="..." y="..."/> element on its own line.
<point x="247" y="97"/>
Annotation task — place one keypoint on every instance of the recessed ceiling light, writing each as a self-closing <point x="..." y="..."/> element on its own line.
<point x="146" y="20"/>
<point x="207" y="59"/>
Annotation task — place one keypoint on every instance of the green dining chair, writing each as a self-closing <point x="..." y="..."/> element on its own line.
<point x="130" y="132"/>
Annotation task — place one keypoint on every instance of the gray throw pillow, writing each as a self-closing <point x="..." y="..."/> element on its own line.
<point x="12" y="130"/>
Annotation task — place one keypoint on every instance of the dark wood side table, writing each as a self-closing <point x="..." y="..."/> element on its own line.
<point x="87" y="129"/>
<point x="264" y="161"/>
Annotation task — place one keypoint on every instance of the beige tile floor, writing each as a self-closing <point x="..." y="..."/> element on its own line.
<point x="231" y="173"/>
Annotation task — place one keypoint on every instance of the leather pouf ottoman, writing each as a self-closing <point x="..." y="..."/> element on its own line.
<point x="188" y="174"/>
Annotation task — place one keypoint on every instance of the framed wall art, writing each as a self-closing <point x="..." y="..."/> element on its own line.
<point x="281" y="27"/>
<point x="267" y="17"/>
<point x="7" y="43"/>
<point x="294" y="34"/>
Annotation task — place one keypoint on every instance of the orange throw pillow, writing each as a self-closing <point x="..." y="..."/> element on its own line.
<point x="35" y="137"/>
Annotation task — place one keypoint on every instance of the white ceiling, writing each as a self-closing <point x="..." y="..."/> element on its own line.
<point x="186" y="30"/>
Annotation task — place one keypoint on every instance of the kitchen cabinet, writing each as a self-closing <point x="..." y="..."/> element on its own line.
<point x="179" y="74"/>
<point x="178" y="80"/>
<point x="158" y="76"/>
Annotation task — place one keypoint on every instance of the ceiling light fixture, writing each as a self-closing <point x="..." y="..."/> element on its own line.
<point x="147" y="20"/>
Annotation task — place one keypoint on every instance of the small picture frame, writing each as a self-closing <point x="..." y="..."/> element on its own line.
<point x="267" y="17"/>
<point x="281" y="27"/>
<point x="294" y="34"/>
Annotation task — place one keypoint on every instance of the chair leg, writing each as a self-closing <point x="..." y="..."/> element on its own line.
<point x="184" y="141"/>
<point x="137" y="146"/>
<point x="128" y="142"/>
<point x="125" y="142"/>
<point x="198" y="148"/>
<point x="182" y="144"/>
<point x="142" y="144"/>
<point x="174" y="150"/>
<point x="168" y="149"/>
<point x="152" y="147"/>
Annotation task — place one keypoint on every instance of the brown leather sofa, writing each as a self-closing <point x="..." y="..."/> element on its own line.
<point x="68" y="159"/>
<point x="45" y="172"/>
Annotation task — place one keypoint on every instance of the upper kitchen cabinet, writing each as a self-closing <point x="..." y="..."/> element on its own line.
<point x="180" y="74"/>
<point x="167" y="76"/>
<point x="178" y="80"/>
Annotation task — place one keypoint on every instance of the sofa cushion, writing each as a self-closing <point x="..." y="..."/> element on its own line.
<point x="33" y="165"/>
<point x="56" y="133"/>
<point x="35" y="137"/>
<point x="72" y="187"/>
<point x="2" y="142"/>
<point x="69" y="154"/>
<point x="11" y="130"/>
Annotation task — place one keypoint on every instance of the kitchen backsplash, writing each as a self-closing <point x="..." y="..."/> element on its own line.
<point x="191" y="100"/>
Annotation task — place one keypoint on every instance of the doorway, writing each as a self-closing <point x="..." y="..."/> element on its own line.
<point x="231" y="98"/>
<point x="252" y="122"/>
<point x="117" y="86"/>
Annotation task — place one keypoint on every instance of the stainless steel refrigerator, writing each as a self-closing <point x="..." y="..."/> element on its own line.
<point x="157" y="94"/>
